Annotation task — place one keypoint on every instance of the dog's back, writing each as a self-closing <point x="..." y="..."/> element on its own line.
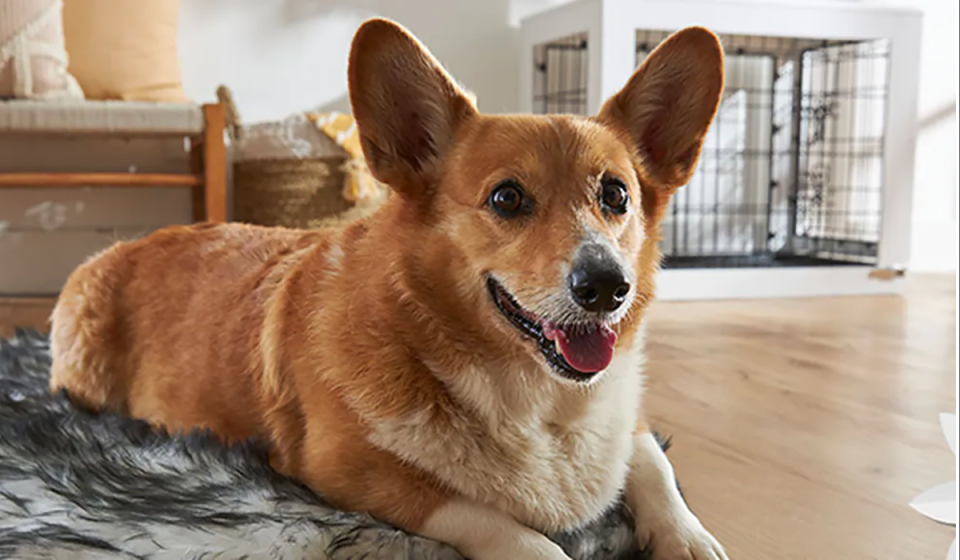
<point x="209" y="285"/>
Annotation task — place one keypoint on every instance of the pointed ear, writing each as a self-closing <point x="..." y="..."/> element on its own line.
<point x="668" y="104"/>
<point x="406" y="106"/>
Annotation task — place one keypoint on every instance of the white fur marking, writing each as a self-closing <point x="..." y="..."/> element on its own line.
<point x="663" y="519"/>
<point x="552" y="455"/>
<point x="483" y="533"/>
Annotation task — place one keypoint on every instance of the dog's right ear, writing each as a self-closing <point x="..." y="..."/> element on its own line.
<point x="667" y="106"/>
<point x="406" y="106"/>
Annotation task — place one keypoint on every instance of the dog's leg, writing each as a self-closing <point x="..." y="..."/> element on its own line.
<point x="665" y="525"/>
<point x="483" y="533"/>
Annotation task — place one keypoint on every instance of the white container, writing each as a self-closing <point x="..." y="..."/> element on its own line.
<point x="805" y="183"/>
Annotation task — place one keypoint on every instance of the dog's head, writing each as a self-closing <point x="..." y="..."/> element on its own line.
<point x="548" y="223"/>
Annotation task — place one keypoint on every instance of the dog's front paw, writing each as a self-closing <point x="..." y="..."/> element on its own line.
<point x="686" y="539"/>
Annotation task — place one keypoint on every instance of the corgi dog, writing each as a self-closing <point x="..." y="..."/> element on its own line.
<point x="466" y="363"/>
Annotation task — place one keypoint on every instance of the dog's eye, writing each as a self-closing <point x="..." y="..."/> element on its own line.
<point x="614" y="195"/>
<point x="507" y="199"/>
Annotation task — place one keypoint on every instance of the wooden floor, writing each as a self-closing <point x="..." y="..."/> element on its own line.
<point x="802" y="428"/>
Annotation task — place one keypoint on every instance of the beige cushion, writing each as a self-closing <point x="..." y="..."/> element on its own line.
<point x="101" y="117"/>
<point x="124" y="49"/>
<point x="33" y="62"/>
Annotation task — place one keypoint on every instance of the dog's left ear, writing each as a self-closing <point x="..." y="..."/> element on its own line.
<point x="668" y="104"/>
<point x="407" y="107"/>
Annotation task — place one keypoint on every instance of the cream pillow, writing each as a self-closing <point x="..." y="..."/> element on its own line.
<point x="124" y="49"/>
<point x="33" y="62"/>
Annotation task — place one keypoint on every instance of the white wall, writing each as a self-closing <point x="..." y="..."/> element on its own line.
<point x="283" y="56"/>
<point x="934" y="243"/>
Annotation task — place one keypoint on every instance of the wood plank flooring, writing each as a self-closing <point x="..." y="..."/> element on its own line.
<point x="804" y="427"/>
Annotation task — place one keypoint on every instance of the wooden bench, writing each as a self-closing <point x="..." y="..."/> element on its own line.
<point x="202" y="125"/>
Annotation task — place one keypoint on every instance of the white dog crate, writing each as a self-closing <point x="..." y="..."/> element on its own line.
<point x="804" y="185"/>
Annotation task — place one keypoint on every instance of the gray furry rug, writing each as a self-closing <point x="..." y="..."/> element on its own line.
<point x="78" y="485"/>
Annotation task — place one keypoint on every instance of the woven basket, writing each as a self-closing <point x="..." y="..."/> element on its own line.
<point x="288" y="173"/>
<point x="289" y="192"/>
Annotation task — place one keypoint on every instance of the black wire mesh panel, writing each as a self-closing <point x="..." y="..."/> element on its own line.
<point x="791" y="170"/>
<point x="722" y="217"/>
<point x="560" y="84"/>
<point x="840" y="150"/>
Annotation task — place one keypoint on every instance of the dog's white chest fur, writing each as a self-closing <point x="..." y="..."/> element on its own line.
<point x="550" y="454"/>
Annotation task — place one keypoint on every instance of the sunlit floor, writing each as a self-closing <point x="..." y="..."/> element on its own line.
<point x="802" y="428"/>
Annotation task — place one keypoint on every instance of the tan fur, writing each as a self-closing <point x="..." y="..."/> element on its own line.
<point x="372" y="357"/>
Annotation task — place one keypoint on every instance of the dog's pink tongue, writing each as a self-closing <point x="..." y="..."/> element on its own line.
<point x="587" y="352"/>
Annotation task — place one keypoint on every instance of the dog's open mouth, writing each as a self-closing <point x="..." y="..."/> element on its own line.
<point x="577" y="351"/>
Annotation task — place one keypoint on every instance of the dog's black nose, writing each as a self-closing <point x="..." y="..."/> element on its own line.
<point x="597" y="281"/>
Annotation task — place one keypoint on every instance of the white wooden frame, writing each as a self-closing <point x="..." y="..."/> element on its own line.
<point x="611" y="27"/>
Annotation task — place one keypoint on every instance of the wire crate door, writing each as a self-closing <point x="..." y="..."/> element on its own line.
<point x="840" y="151"/>
<point x="723" y="215"/>
<point x="560" y="82"/>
